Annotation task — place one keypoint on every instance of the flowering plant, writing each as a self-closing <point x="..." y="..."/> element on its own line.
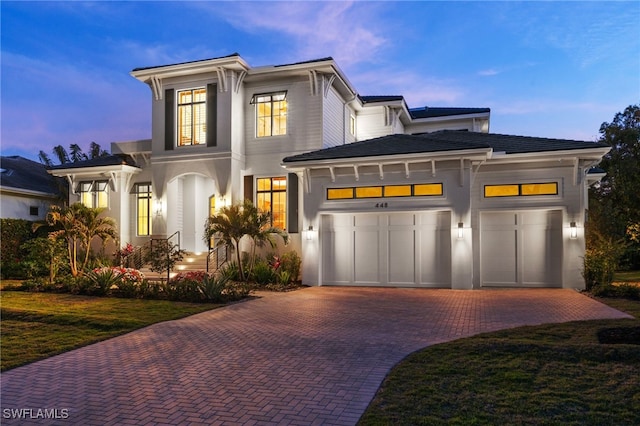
<point x="119" y="274"/>
<point x="125" y="251"/>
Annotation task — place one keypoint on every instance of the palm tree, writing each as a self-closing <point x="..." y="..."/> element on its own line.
<point x="79" y="225"/>
<point x="239" y="220"/>
<point x="74" y="155"/>
<point x="96" y="151"/>
<point x="61" y="154"/>
<point x="44" y="158"/>
<point x="261" y="232"/>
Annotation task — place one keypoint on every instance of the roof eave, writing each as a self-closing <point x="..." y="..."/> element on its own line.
<point x="467" y="154"/>
<point x="582" y="153"/>
<point x="94" y="171"/>
<point x="28" y="192"/>
<point x="481" y="115"/>
<point x="165" y="71"/>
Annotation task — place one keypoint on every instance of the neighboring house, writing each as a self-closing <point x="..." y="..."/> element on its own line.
<point x="371" y="191"/>
<point x="26" y="189"/>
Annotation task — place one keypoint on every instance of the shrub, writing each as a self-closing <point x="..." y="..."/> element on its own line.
<point x="151" y="289"/>
<point x="164" y="255"/>
<point x="212" y="288"/>
<point x="185" y="287"/>
<point x="44" y="257"/>
<point x="13" y="234"/>
<point x="231" y="271"/>
<point x="601" y="260"/>
<point x="125" y="282"/>
<point x="263" y="273"/>
<point x="291" y="263"/>
<point x="236" y="290"/>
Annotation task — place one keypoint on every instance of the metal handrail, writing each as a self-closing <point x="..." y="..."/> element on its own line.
<point x="221" y="255"/>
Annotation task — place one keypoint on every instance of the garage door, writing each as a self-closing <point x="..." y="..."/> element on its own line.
<point x="394" y="249"/>
<point x="521" y="249"/>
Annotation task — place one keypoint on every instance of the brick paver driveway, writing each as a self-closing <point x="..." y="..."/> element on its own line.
<point x="313" y="356"/>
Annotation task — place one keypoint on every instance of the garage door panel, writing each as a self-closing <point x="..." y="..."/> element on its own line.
<point x="401" y="257"/>
<point x="337" y="251"/>
<point x="434" y="251"/>
<point x="541" y="255"/>
<point x="402" y="219"/>
<point x="499" y="250"/>
<point x="366" y="256"/>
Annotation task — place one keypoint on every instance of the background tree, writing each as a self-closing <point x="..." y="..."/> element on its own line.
<point x="74" y="155"/>
<point x="614" y="209"/>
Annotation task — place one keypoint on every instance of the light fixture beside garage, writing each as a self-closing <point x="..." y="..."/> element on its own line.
<point x="573" y="231"/>
<point x="460" y="230"/>
<point x="310" y="232"/>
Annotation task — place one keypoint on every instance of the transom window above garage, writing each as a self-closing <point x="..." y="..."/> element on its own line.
<point x="385" y="191"/>
<point x="521" y="189"/>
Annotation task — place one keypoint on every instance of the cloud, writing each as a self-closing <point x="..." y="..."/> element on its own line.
<point x="489" y="72"/>
<point x="418" y="89"/>
<point x="349" y="32"/>
<point x="56" y="102"/>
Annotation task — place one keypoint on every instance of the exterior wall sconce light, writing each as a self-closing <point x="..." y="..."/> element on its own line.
<point x="573" y="231"/>
<point x="158" y="207"/>
<point x="460" y="230"/>
<point x="310" y="232"/>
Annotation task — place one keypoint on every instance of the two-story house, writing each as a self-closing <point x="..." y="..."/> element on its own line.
<point x="371" y="191"/>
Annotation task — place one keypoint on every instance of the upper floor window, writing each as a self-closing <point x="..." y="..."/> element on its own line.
<point x="192" y="117"/>
<point x="352" y="125"/>
<point x="271" y="114"/>
<point x="271" y="196"/>
<point x="94" y="194"/>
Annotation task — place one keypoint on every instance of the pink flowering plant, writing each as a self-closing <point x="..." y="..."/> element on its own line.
<point x="108" y="278"/>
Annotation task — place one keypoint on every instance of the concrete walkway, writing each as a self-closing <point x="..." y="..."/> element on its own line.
<point x="312" y="356"/>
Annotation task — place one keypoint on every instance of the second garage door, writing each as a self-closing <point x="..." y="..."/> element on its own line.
<point x="393" y="249"/>
<point x="521" y="249"/>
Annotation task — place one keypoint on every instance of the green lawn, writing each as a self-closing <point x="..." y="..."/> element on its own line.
<point x="556" y="374"/>
<point x="627" y="276"/>
<point x="39" y="325"/>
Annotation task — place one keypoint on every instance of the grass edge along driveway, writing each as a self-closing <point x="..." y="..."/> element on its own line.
<point x="35" y="326"/>
<point x="547" y="374"/>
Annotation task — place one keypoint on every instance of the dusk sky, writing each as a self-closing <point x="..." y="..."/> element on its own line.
<point x="549" y="69"/>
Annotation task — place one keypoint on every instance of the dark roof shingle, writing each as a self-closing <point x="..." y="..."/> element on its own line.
<point x="441" y="141"/>
<point x="21" y="173"/>
<point x="109" y="160"/>
<point x="429" y="112"/>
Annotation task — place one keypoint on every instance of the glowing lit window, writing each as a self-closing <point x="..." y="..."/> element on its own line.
<point x="144" y="208"/>
<point x="369" y="192"/>
<point x="523" y="189"/>
<point x="539" y="188"/>
<point x="192" y="117"/>
<point x="271" y="114"/>
<point x="387" y="191"/>
<point x="94" y="194"/>
<point x="339" y="193"/>
<point x="501" y="190"/>
<point x="427" y="189"/>
<point x="397" y="191"/>
<point x="271" y="196"/>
